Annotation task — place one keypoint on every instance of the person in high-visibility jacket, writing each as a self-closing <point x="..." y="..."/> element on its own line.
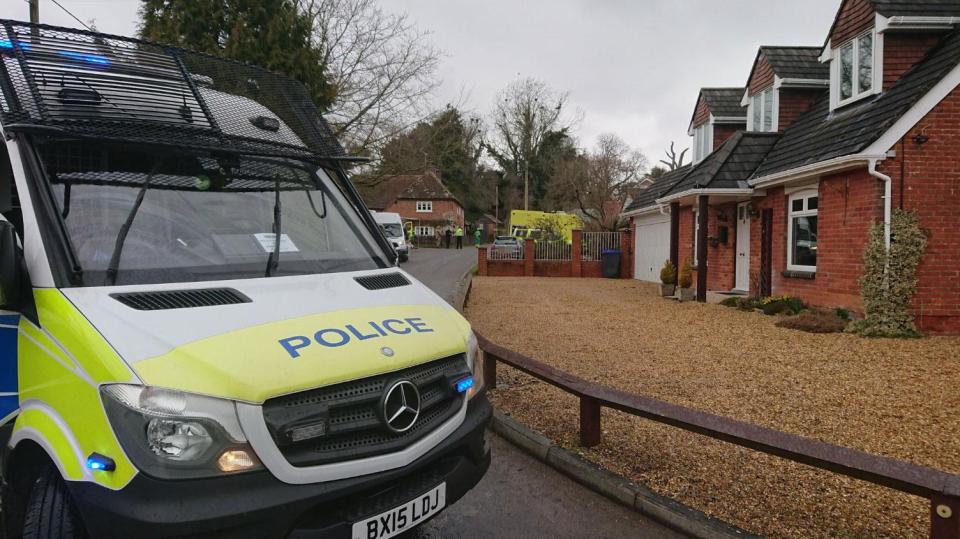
<point x="459" y="235"/>
<point x="476" y="236"/>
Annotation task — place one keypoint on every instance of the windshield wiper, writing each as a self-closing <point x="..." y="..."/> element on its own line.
<point x="125" y="229"/>
<point x="273" y="260"/>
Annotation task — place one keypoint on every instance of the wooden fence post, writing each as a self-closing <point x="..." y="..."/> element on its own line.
<point x="589" y="421"/>
<point x="489" y="370"/>
<point x="576" y="254"/>
<point x="944" y="517"/>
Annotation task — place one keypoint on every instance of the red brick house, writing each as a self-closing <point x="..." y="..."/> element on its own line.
<point x="838" y="136"/>
<point x="421" y="199"/>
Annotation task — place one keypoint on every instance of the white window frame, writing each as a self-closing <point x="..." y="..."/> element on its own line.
<point x="758" y="97"/>
<point x="422" y="230"/>
<point x="801" y="195"/>
<point x="876" y="86"/>
<point x="424" y="206"/>
<point x="702" y="141"/>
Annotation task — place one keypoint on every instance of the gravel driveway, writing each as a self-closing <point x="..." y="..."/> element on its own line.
<point x="893" y="397"/>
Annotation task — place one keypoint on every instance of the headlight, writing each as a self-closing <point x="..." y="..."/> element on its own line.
<point x="475" y="362"/>
<point x="175" y="435"/>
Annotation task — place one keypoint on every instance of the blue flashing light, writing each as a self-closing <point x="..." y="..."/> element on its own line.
<point x="464" y="384"/>
<point x="8" y="44"/>
<point x="88" y="58"/>
<point x="101" y="463"/>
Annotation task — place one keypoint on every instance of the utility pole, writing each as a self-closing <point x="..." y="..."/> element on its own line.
<point x="35" y="11"/>
<point x="526" y="184"/>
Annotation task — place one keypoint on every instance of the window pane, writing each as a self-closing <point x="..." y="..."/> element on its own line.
<point x="757" y="104"/>
<point x="846" y="71"/>
<point x="768" y="110"/>
<point x="804" y="248"/>
<point x="812" y="203"/>
<point x="865" y="63"/>
<point x="797" y="205"/>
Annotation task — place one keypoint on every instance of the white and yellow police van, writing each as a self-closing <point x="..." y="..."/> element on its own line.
<point x="203" y="331"/>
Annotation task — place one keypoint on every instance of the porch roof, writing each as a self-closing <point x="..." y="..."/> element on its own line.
<point x="647" y="197"/>
<point x="728" y="167"/>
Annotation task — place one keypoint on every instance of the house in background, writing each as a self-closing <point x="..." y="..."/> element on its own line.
<point x="420" y="199"/>
<point x="836" y="137"/>
<point x="488" y="227"/>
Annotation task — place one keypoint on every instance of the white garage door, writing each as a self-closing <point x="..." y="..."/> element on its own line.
<point x="652" y="246"/>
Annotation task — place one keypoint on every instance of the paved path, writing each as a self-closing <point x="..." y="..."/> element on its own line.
<point x="441" y="269"/>
<point x="520" y="497"/>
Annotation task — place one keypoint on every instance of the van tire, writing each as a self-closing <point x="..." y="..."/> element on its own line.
<point x="50" y="510"/>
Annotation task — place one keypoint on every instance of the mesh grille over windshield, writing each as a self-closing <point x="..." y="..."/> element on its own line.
<point x="85" y="84"/>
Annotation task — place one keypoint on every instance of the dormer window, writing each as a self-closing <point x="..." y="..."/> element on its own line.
<point x="762" y="113"/>
<point x="855" y="72"/>
<point x="702" y="142"/>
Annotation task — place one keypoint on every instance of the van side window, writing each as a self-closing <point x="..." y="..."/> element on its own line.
<point x="9" y="201"/>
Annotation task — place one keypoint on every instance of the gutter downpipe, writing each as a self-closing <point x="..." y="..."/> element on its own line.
<point x="887" y="198"/>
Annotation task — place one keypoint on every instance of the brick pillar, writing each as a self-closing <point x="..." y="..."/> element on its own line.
<point x="528" y="253"/>
<point x="702" y="214"/>
<point x="626" y="254"/>
<point x="675" y="234"/>
<point x="576" y="254"/>
<point x="481" y="261"/>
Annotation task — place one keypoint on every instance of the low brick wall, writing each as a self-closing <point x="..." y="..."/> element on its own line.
<point x="529" y="267"/>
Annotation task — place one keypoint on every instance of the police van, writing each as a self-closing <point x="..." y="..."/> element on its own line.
<point x="202" y="330"/>
<point x="392" y="226"/>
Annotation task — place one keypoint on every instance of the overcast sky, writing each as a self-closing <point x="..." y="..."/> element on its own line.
<point x="633" y="67"/>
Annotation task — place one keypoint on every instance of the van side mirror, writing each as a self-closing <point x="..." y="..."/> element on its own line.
<point x="11" y="268"/>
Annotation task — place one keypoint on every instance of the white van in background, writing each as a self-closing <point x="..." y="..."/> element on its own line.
<point x="392" y="227"/>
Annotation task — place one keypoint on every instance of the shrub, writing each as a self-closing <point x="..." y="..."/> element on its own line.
<point x="731" y="302"/>
<point x="815" y="321"/>
<point x="890" y="278"/>
<point x="685" y="279"/>
<point x="668" y="274"/>
<point x="844" y="314"/>
<point x="744" y="304"/>
<point x="772" y="305"/>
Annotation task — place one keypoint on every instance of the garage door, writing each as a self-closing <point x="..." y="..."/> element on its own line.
<point x="653" y="246"/>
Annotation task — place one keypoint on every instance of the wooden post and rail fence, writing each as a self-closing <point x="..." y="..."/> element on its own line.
<point x="942" y="489"/>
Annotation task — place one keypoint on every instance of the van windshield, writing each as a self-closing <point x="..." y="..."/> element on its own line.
<point x="392" y="230"/>
<point x="136" y="218"/>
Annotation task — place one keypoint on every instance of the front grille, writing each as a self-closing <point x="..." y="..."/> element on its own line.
<point x="350" y="413"/>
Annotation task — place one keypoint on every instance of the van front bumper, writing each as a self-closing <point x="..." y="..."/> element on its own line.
<point x="258" y="505"/>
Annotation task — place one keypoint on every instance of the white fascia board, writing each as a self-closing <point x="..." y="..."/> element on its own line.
<point x="802" y="83"/>
<point x="746" y="97"/>
<point x="641" y="211"/>
<point x="916" y="113"/>
<point x="827" y="54"/>
<point x="730" y="119"/>
<point x="706" y="192"/>
<point x="816" y="169"/>
<point x="914" y="22"/>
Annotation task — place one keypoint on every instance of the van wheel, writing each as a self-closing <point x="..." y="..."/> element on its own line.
<point x="50" y="511"/>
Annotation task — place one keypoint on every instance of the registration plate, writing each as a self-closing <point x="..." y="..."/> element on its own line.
<point x="403" y="517"/>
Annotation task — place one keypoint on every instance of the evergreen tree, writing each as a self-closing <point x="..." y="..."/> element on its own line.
<point x="274" y="34"/>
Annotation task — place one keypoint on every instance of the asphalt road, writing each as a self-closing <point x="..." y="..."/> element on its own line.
<point x="520" y="497"/>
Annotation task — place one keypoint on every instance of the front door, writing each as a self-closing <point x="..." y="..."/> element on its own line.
<point x="743" y="247"/>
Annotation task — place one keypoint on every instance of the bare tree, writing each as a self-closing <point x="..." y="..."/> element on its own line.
<point x="675" y="161"/>
<point x="525" y="114"/>
<point x="381" y="66"/>
<point x="603" y="180"/>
